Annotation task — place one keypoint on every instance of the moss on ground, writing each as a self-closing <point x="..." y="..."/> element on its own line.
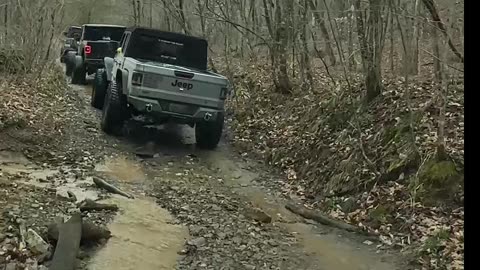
<point x="439" y="181"/>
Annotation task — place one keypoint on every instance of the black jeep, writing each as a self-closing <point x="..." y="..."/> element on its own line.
<point x="97" y="42"/>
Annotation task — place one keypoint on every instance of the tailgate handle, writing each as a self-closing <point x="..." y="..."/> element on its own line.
<point x="185" y="75"/>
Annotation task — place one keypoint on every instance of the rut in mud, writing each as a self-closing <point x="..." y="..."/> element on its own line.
<point x="193" y="209"/>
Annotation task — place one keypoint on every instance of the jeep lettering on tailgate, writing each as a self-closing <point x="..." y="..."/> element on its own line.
<point x="182" y="85"/>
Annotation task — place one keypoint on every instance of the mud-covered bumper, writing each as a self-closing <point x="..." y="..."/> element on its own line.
<point x="168" y="109"/>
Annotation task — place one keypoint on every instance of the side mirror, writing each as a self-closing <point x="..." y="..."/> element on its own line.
<point x="119" y="50"/>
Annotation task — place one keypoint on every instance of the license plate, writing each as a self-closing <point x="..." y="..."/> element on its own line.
<point x="180" y="108"/>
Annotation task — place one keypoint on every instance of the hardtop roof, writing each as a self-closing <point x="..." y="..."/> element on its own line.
<point x="163" y="33"/>
<point x="104" y="25"/>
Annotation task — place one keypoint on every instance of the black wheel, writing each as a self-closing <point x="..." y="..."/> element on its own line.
<point x="79" y="75"/>
<point x="69" y="60"/>
<point x="114" y="109"/>
<point x="68" y="67"/>
<point x="208" y="134"/>
<point x="99" y="89"/>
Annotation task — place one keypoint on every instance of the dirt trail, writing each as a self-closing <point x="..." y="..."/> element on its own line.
<point x="185" y="194"/>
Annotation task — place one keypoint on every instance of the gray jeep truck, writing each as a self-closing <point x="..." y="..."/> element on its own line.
<point x="72" y="36"/>
<point x="97" y="42"/>
<point x="163" y="77"/>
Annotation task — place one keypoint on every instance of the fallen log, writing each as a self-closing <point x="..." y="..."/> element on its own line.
<point x="90" y="232"/>
<point x="91" y="205"/>
<point x="323" y="219"/>
<point x="68" y="244"/>
<point x="109" y="187"/>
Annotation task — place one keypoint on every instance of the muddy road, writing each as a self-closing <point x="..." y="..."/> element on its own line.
<point x="193" y="209"/>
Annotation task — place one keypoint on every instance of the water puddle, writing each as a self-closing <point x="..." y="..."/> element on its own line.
<point x="143" y="237"/>
<point x="335" y="253"/>
<point x="143" y="234"/>
<point x="29" y="173"/>
<point x="122" y="169"/>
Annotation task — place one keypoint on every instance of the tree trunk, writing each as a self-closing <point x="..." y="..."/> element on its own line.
<point x="135" y="16"/>
<point x="151" y="13"/>
<point x="282" y="35"/>
<point x="278" y="50"/>
<point x="352" y="63"/>
<point x="52" y="35"/>
<point x="441" y="152"/>
<point x="139" y="12"/>
<point x="392" y="44"/>
<point x="370" y="47"/>
<point x="436" y="55"/>
<point x="181" y="11"/>
<point x="415" y="39"/>
<point x="272" y="47"/>
<point x="5" y="20"/>
<point x="306" y="68"/>
<point x="201" y="11"/>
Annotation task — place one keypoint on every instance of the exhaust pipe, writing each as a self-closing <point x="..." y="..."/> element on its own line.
<point x="207" y="116"/>
<point x="148" y="107"/>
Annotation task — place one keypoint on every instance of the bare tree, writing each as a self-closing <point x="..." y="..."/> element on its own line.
<point x="32" y="28"/>
<point x="305" y="59"/>
<point x="432" y="9"/>
<point x="278" y="50"/>
<point x="371" y="37"/>
<point x="323" y="28"/>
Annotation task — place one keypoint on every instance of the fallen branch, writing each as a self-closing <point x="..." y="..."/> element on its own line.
<point x="90" y="232"/>
<point x="320" y="218"/>
<point x="68" y="244"/>
<point x="109" y="187"/>
<point x="90" y="205"/>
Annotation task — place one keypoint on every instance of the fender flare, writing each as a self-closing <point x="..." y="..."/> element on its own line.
<point x="108" y="67"/>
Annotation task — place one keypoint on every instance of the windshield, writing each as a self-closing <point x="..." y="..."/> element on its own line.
<point x="94" y="33"/>
<point x="188" y="53"/>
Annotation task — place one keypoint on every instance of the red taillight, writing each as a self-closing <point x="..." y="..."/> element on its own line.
<point x="88" y="49"/>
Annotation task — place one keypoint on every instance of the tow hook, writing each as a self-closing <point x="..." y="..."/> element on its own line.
<point x="207" y="116"/>
<point x="149" y="107"/>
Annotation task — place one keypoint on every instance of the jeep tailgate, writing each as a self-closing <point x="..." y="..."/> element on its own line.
<point x="176" y="83"/>
<point x="100" y="49"/>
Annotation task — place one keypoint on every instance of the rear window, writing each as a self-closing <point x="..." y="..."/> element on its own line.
<point x="74" y="31"/>
<point x="188" y="52"/>
<point x="94" y="33"/>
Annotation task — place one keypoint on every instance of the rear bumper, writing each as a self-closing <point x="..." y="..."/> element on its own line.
<point x="154" y="108"/>
<point x="93" y="64"/>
